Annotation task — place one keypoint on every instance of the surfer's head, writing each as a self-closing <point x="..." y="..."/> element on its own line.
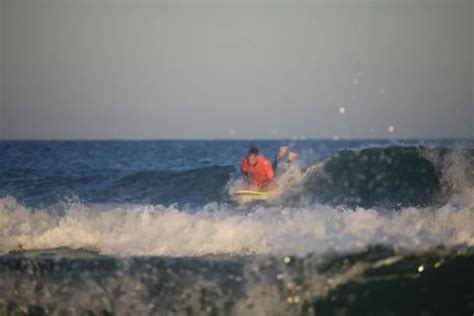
<point x="252" y="155"/>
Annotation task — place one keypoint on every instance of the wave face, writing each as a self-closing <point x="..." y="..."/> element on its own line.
<point x="375" y="281"/>
<point x="392" y="177"/>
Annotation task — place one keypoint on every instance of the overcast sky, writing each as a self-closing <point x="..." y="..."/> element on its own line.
<point x="240" y="69"/>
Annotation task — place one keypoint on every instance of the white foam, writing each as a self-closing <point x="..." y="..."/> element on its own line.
<point x="223" y="229"/>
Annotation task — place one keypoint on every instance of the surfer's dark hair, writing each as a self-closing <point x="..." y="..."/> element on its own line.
<point x="252" y="151"/>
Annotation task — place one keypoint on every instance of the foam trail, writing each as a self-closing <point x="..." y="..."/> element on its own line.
<point x="222" y="229"/>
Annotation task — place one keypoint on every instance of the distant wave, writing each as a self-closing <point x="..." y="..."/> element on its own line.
<point x="196" y="186"/>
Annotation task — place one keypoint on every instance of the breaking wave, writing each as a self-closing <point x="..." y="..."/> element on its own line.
<point x="223" y="229"/>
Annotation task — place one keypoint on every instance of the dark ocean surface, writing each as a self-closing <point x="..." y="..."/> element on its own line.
<point x="366" y="227"/>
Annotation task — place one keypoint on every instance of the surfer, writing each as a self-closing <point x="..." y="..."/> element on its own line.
<point x="258" y="172"/>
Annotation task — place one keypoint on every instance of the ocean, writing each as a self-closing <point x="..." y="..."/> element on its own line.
<point x="362" y="227"/>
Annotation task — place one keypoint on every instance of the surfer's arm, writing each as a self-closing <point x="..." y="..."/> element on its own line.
<point x="245" y="176"/>
<point x="243" y="171"/>
<point x="281" y="152"/>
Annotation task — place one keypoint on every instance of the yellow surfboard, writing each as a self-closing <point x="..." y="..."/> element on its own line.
<point x="249" y="196"/>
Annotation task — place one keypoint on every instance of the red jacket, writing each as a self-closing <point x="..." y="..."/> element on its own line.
<point x="261" y="172"/>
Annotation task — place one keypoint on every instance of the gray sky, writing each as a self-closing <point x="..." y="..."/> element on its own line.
<point x="240" y="69"/>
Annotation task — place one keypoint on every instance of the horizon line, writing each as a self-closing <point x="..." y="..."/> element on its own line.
<point x="241" y="139"/>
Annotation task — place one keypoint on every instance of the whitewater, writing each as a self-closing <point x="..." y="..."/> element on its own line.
<point x="221" y="229"/>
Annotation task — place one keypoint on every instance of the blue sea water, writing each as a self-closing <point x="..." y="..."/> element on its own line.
<point x="41" y="173"/>
<point x="381" y="227"/>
